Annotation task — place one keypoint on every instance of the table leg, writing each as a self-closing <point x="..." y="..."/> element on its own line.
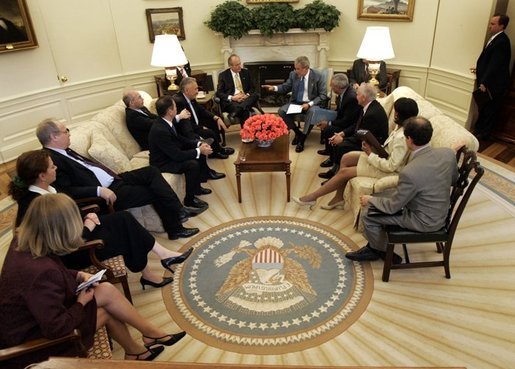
<point x="238" y="182"/>
<point x="287" y="183"/>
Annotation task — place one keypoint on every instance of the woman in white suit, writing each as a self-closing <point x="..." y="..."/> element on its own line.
<point x="366" y="163"/>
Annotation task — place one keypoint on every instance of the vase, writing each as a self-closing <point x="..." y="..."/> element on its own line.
<point x="264" y="143"/>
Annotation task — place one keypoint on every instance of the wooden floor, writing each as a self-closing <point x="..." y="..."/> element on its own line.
<point x="419" y="318"/>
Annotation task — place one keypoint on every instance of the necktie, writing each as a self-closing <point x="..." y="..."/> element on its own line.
<point x="183" y="72"/>
<point x="360" y="119"/>
<point x="338" y="102"/>
<point x="300" y="92"/>
<point x="174" y="131"/>
<point x="238" y="82"/>
<point x="79" y="157"/>
<point x="193" y="111"/>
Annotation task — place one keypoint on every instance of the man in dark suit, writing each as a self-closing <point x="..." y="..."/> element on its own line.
<point x="201" y="122"/>
<point x="308" y="89"/>
<point x="138" y="118"/>
<point x="345" y="115"/>
<point x="422" y="195"/>
<point x="359" y="74"/>
<point x="372" y="118"/>
<point x="80" y="177"/>
<point x="493" y="75"/>
<point x="171" y="152"/>
<point x="236" y="91"/>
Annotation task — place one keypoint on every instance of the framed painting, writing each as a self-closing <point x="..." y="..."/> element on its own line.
<point x="165" y="21"/>
<point x="271" y="1"/>
<point x="16" y="31"/>
<point x="386" y="10"/>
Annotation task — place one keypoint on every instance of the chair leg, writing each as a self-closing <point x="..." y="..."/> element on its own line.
<point x="388" y="262"/>
<point x="406" y="255"/>
<point x="126" y="290"/>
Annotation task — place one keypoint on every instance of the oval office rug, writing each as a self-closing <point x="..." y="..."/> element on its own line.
<point x="268" y="285"/>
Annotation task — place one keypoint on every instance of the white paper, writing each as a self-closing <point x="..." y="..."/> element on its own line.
<point x="294" y="109"/>
<point x="94" y="278"/>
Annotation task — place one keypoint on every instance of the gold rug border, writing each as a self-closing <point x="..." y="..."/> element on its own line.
<point x="284" y="349"/>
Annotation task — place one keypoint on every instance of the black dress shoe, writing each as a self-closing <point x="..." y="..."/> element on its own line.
<point x="183" y="216"/>
<point x="183" y="233"/>
<point x="145" y="282"/>
<point x="323" y="152"/>
<point x="326" y="175"/>
<point x="397" y="259"/>
<point x="366" y="253"/>
<point x="218" y="155"/>
<point x="196" y="203"/>
<point x="204" y="191"/>
<point x="172" y="340"/>
<point x="215" y="175"/>
<point x="327" y="163"/>
<point x="299" y="147"/>
<point x="191" y="212"/>
<point x="168" y="262"/>
<point x="228" y="150"/>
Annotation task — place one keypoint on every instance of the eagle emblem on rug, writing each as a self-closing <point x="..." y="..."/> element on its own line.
<point x="271" y="277"/>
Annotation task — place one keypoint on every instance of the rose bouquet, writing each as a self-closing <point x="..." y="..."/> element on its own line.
<point x="263" y="127"/>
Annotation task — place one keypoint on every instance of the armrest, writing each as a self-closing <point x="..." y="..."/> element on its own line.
<point x="42" y="343"/>
<point x="93" y="208"/>
<point x="100" y="202"/>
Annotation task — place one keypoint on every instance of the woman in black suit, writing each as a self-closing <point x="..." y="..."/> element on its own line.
<point x="121" y="233"/>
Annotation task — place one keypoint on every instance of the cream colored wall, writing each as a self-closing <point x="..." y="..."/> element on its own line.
<point x="102" y="46"/>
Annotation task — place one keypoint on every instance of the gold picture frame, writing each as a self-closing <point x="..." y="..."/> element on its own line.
<point x="402" y="10"/>
<point x="16" y="31"/>
<point x="271" y="1"/>
<point x="165" y="21"/>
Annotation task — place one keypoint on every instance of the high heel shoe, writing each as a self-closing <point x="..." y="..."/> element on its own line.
<point x="311" y="204"/>
<point x="174" y="338"/>
<point x="154" y="352"/>
<point x="168" y="262"/>
<point x="339" y="205"/>
<point x="145" y="282"/>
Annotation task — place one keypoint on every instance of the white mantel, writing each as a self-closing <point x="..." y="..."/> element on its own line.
<point x="281" y="46"/>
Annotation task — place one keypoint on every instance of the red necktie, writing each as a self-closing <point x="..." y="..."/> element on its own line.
<point x="79" y="157"/>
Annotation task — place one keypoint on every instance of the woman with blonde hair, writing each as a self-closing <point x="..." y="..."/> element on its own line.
<point x="121" y="233"/>
<point x="38" y="295"/>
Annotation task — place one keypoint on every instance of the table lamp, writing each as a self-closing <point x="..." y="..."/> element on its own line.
<point x="168" y="53"/>
<point x="376" y="47"/>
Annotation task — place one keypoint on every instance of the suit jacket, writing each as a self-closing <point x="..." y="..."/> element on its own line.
<point x="226" y="85"/>
<point x="139" y="125"/>
<point x="347" y="111"/>
<point x="359" y="74"/>
<point x="38" y="297"/>
<point x="168" y="149"/>
<point x="493" y="65"/>
<point x="423" y="191"/>
<point x="185" y="126"/>
<point x="317" y="90"/>
<point x="375" y="120"/>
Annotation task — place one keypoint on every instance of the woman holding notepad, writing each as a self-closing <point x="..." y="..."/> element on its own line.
<point x="366" y="163"/>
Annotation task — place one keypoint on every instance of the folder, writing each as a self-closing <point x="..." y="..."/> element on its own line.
<point x="368" y="137"/>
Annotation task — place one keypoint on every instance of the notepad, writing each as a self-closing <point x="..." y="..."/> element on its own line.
<point x="94" y="278"/>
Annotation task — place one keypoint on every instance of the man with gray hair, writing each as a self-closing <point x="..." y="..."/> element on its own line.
<point x="372" y="117"/>
<point x="308" y="89"/>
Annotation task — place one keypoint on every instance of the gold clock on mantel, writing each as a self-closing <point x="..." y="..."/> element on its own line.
<point x="271" y="1"/>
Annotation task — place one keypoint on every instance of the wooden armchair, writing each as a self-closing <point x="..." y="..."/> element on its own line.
<point x="101" y="348"/>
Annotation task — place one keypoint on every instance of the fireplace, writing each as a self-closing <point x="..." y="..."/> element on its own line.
<point x="270" y="73"/>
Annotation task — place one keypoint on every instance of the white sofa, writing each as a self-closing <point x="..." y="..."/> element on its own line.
<point x="106" y="139"/>
<point x="446" y="133"/>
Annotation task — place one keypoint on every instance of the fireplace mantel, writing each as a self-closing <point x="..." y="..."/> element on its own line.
<point x="281" y="46"/>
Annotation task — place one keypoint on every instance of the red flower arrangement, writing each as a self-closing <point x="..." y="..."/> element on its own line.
<point x="263" y="127"/>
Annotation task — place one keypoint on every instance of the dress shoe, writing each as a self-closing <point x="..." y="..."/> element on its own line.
<point x="168" y="262"/>
<point x="299" y="147"/>
<point x="154" y="352"/>
<point x="215" y="175"/>
<point x="168" y="340"/>
<point x="323" y="152"/>
<point x="191" y="212"/>
<point x="183" y="216"/>
<point x="327" y="163"/>
<point x="196" y="203"/>
<point x="228" y="150"/>
<point x="145" y="282"/>
<point x="326" y="175"/>
<point x="183" y="233"/>
<point x="396" y="259"/>
<point x="204" y="191"/>
<point x="218" y="155"/>
<point x="339" y="205"/>
<point x="366" y="253"/>
<point x="311" y="204"/>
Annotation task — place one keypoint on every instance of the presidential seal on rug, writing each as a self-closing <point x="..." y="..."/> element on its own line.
<point x="269" y="285"/>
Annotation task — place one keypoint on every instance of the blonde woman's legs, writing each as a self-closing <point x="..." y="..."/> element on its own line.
<point x="339" y="181"/>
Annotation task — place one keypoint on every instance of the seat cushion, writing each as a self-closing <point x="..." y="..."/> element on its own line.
<point x="116" y="264"/>
<point x="105" y="152"/>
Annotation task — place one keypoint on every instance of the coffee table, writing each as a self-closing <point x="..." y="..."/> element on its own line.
<point x="275" y="158"/>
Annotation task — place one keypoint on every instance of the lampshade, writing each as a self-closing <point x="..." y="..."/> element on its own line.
<point x="376" y="45"/>
<point x="167" y="52"/>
